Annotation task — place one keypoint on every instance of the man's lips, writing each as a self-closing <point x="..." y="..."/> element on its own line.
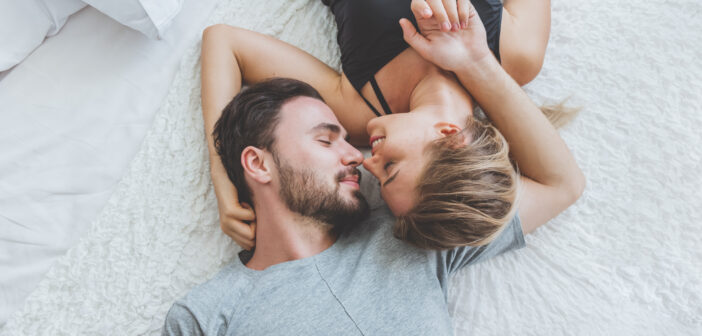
<point x="351" y="179"/>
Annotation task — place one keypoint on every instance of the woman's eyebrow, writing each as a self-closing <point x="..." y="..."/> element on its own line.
<point x="392" y="178"/>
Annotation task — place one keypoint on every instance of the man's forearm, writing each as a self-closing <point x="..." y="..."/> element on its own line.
<point x="534" y="143"/>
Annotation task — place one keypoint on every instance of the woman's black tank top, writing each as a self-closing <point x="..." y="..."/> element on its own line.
<point x="370" y="36"/>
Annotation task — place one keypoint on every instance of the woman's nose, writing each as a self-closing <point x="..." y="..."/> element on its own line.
<point x="368" y="163"/>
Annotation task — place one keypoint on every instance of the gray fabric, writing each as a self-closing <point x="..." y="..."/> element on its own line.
<point x="368" y="283"/>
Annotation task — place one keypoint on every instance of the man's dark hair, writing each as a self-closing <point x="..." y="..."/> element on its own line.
<point x="250" y="119"/>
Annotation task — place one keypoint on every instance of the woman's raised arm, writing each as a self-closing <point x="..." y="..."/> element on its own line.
<point x="551" y="180"/>
<point x="221" y="81"/>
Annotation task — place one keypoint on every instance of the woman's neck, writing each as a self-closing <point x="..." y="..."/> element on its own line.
<point x="441" y="93"/>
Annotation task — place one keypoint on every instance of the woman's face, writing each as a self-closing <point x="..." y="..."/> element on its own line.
<point x="397" y="143"/>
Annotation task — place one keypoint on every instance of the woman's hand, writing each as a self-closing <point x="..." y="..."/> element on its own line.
<point x="234" y="217"/>
<point x="233" y="220"/>
<point x="450" y="50"/>
<point x="446" y="15"/>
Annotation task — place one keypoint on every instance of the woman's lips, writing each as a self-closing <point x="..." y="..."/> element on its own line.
<point x="373" y="138"/>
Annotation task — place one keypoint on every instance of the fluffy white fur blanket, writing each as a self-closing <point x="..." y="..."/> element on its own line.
<point x="624" y="260"/>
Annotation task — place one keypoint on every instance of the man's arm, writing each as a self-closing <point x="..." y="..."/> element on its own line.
<point x="181" y="321"/>
<point x="551" y="180"/>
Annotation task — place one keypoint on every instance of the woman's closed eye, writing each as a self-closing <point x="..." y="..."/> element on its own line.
<point x="388" y="165"/>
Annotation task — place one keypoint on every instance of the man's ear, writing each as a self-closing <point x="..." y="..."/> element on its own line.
<point x="255" y="164"/>
<point x="458" y="135"/>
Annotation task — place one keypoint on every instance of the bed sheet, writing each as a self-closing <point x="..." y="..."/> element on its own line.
<point x="73" y="115"/>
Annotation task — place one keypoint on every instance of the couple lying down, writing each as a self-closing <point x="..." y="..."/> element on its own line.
<point x="321" y="264"/>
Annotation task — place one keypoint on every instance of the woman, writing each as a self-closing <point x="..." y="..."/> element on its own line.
<point x="445" y="175"/>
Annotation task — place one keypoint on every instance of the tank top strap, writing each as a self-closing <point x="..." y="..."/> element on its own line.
<point x="380" y="96"/>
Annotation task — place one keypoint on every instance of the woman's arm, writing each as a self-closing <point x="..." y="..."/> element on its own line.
<point x="552" y="179"/>
<point x="524" y="32"/>
<point x="230" y="57"/>
<point x="221" y="81"/>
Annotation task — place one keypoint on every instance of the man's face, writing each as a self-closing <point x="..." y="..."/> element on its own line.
<point x="316" y="166"/>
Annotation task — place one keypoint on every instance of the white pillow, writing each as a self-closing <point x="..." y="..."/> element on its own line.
<point x="151" y="17"/>
<point x="25" y="23"/>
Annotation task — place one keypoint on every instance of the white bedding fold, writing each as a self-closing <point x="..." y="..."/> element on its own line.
<point x="73" y="116"/>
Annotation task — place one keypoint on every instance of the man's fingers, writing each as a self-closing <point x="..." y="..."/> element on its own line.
<point x="437" y="6"/>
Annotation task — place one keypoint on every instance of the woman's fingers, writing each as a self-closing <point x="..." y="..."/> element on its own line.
<point x="464" y="9"/>
<point x="451" y="8"/>
<point x="421" y="9"/>
<point x="233" y="227"/>
<point x="233" y="222"/>
<point x="413" y="38"/>
<point x="437" y="7"/>
<point x="246" y="245"/>
<point x="424" y="16"/>
<point x="244" y="212"/>
<point x="243" y="234"/>
<point x="473" y="19"/>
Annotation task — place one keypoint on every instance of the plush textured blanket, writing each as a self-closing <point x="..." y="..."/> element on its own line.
<point x="625" y="259"/>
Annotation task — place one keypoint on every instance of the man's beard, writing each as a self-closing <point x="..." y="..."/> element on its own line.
<point x="305" y="192"/>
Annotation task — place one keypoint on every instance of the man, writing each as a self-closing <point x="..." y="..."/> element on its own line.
<point x="317" y="268"/>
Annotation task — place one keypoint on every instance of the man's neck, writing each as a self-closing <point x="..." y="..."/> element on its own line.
<point x="282" y="235"/>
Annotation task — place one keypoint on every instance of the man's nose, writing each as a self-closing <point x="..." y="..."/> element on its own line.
<point x="352" y="157"/>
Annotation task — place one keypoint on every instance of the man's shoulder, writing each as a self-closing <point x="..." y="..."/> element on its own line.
<point x="212" y="298"/>
<point x="226" y="283"/>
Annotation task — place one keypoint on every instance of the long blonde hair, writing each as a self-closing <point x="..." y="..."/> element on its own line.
<point x="467" y="193"/>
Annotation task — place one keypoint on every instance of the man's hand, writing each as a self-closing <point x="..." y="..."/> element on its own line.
<point x="449" y="50"/>
<point x="232" y="220"/>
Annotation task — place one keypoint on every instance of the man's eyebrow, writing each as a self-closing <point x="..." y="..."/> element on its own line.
<point x="328" y="127"/>
<point x="392" y="178"/>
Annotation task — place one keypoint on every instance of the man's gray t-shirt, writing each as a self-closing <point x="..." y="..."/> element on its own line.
<point x="366" y="283"/>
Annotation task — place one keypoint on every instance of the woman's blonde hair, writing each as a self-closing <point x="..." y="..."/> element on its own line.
<point x="467" y="192"/>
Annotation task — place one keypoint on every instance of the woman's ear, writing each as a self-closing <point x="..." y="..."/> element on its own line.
<point x="445" y="129"/>
<point x="255" y="164"/>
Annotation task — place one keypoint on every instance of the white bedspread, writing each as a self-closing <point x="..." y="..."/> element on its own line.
<point x="624" y="260"/>
<point x="72" y="117"/>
